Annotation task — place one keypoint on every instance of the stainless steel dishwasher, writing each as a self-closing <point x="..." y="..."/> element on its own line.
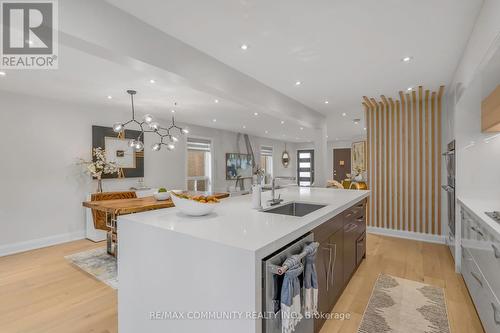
<point x="272" y="287"/>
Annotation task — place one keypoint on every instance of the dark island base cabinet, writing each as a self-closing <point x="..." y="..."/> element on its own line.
<point x="342" y="247"/>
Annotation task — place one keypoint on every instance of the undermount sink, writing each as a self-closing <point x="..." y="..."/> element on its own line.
<point x="294" y="209"/>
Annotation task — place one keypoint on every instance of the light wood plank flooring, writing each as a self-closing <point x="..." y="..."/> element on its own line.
<point x="40" y="292"/>
<point x="413" y="260"/>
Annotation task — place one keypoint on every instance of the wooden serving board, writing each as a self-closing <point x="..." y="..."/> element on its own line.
<point x="136" y="205"/>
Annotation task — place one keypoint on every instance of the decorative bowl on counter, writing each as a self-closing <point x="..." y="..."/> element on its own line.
<point x="194" y="205"/>
<point x="161" y="196"/>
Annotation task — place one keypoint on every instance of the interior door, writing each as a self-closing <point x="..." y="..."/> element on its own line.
<point x="341" y="163"/>
<point x="305" y="167"/>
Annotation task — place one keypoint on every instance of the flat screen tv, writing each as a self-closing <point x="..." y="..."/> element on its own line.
<point x="238" y="166"/>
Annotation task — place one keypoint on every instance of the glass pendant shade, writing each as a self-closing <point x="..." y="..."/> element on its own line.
<point x="170" y="146"/>
<point x="156" y="147"/>
<point x="185" y="131"/>
<point x="139" y="146"/>
<point x="174" y="139"/>
<point x="154" y="126"/>
<point x="131" y="143"/>
<point x="148" y="118"/>
<point x="118" y="127"/>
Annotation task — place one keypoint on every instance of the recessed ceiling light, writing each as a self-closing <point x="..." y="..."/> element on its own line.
<point x="337" y="139"/>
<point x="152" y="81"/>
<point x="173" y="111"/>
<point x="364" y="129"/>
<point x="214" y="120"/>
<point x="302" y="128"/>
<point x="110" y="97"/>
<point x="255" y="113"/>
<point x="298" y="83"/>
<point x="30" y="42"/>
<point x="327" y="136"/>
<point x="326" y="102"/>
<point x="216" y="101"/>
<point x="244" y="126"/>
<point x="267" y="131"/>
<point x="282" y="122"/>
<point x="3" y="73"/>
<point x="407" y="59"/>
<point x="244" y="47"/>
<point x="344" y="114"/>
<point x="409" y="89"/>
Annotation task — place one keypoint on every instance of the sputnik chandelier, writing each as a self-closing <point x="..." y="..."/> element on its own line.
<point x="148" y="125"/>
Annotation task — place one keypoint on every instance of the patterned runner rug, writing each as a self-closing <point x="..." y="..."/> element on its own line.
<point x="97" y="263"/>
<point x="402" y="306"/>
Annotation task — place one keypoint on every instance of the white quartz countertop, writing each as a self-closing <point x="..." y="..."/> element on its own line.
<point x="234" y="223"/>
<point x="478" y="206"/>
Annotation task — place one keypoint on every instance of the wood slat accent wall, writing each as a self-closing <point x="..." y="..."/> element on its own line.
<point x="404" y="160"/>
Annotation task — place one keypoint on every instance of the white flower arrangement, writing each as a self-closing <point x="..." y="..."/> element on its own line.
<point x="99" y="165"/>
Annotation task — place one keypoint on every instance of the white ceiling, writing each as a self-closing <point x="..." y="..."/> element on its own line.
<point x="87" y="79"/>
<point x="340" y="50"/>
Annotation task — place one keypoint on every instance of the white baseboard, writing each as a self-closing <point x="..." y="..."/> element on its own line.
<point x="40" y="242"/>
<point x="407" y="235"/>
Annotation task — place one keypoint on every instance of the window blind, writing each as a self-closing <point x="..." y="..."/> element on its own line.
<point x="266" y="151"/>
<point x="198" y="144"/>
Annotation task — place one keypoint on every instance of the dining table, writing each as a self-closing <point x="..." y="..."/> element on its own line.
<point x="116" y="207"/>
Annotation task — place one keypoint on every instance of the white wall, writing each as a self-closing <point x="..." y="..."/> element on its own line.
<point x="43" y="188"/>
<point x="462" y="118"/>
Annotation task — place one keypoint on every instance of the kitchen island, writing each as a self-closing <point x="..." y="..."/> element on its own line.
<point x="204" y="274"/>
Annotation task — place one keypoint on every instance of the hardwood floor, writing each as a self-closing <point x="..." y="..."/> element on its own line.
<point x="413" y="260"/>
<point x="41" y="292"/>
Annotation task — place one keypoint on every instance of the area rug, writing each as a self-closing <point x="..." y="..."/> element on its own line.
<point x="97" y="263"/>
<point x="401" y="306"/>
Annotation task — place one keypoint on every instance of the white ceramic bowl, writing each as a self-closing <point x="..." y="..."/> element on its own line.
<point x="161" y="196"/>
<point x="192" y="207"/>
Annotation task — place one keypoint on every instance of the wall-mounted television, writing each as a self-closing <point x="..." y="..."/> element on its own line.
<point x="238" y="166"/>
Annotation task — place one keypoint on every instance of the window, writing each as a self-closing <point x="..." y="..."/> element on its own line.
<point x="199" y="164"/>
<point x="266" y="162"/>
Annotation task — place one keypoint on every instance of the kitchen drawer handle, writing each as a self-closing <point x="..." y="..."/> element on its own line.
<point x="477" y="231"/>
<point x="361" y="219"/>
<point x="478" y="279"/>
<point x="496" y="252"/>
<point x="361" y="205"/>
<point x="352" y="227"/>
<point x="495" y="314"/>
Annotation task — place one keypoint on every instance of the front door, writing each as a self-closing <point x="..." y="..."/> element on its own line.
<point x="341" y="163"/>
<point x="305" y="167"/>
